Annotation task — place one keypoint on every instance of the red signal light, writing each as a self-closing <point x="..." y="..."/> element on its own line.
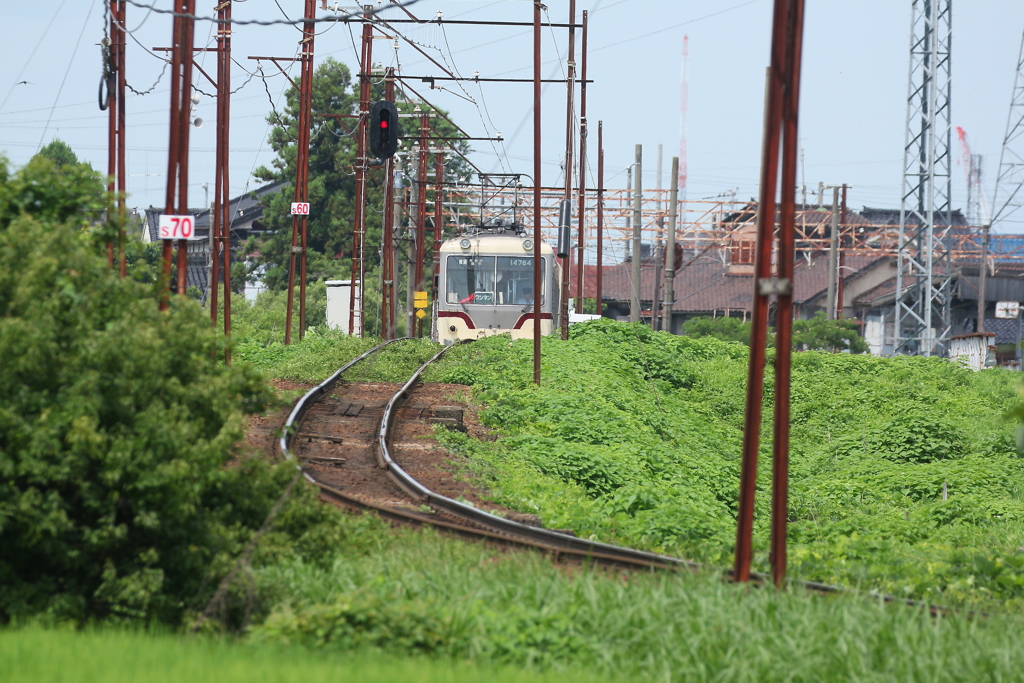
<point x="383" y="124"/>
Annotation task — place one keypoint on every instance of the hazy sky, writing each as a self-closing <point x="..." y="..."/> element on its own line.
<point x="852" y="113"/>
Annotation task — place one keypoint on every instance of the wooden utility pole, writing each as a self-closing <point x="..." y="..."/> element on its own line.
<point x="634" y="303"/>
<point x="537" y="291"/>
<point x="220" y="224"/>
<point x="668" y="295"/>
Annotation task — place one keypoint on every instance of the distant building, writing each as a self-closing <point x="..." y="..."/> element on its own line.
<point x="246" y="213"/>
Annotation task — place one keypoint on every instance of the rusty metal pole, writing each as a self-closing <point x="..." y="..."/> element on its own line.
<point x="306" y="115"/>
<point x="537" y="291"/>
<point x="570" y="83"/>
<point x="122" y="175"/>
<point x="438" y="223"/>
<point x="759" y="314"/>
<point x="113" y="133"/>
<point x="581" y="213"/>
<point x="224" y="145"/>
<point x="167" y="248"/>
<point x="784" y="300"/>
<point x="782" y="100"/>
<point x="188" y="32"/>
<point x="388" y="230"/>
<point x="421" y="216"/>
<point x="600" y="216"/>
<point x="636" y="290"/>
<point x="359" y="229"/>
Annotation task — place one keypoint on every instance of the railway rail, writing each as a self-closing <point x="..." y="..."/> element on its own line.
<point x="342" y="436"/>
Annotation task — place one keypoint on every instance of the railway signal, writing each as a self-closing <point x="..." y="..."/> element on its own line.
<point x="384" y="129"/>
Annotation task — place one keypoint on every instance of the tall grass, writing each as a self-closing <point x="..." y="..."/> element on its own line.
<point x="457" y="600"/>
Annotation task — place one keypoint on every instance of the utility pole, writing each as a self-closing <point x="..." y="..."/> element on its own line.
<point x="833" y="257"/>
<point x="670" y="250"/>
<point x="362" y="169"/>
<point x="634" y="307"/>
<point x="983" y="276"/>
<point x="581" y="214"/>
<point x="438" y="224"/>
<point x="842" y="259"/>
<point x="299" y="224"/>
<point x="421" y="219"/>
<point x="177" y="149"/>
<point x="220" y="224"/>
<point x="115" y="106"/>
<point x="600" y="216"/>
<point x="537" y="292"/>
<point x="781" y="108"/>
<point x="387" y="296"/>
<point x="570" y="92"/>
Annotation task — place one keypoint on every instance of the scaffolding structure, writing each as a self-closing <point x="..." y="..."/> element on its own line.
<point x="923" y="252"/>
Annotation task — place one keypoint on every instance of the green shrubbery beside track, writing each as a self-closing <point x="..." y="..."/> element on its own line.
<point x="634" y="437"/>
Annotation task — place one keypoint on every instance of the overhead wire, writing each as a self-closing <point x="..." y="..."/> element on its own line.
<point x="17" y="79"/>
<point x="64" y="80"/>
<point x="272" y="22"/>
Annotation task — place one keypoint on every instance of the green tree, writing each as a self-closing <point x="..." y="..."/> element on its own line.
<point x="60" y="153"/>
<point x="116" y="421"/>
<point x="819" y="333"/>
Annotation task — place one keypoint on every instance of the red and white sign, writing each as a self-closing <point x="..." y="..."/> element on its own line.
<point x="177" y="227"/>
<point x="300" y="208"/>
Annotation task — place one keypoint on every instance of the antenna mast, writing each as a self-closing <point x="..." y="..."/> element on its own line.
<point x="1010" y="179"/>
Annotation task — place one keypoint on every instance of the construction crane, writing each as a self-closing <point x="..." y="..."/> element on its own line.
<point x="972" y="165"/>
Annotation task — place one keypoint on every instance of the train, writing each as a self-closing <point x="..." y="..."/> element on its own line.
<point x="485" y="284"/>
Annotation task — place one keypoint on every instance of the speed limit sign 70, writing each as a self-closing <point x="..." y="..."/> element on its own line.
<point x="300" y="208"/>
<point x="177" y="227"/>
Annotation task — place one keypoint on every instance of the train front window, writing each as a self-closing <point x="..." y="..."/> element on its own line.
<point x="470" y="280"/>
<point x="514" y="281"/>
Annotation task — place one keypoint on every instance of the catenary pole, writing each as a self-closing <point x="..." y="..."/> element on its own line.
<point x="634" y="301"/>
<point x="668" y="294"/>
<point x="833" y="257"/>
<point x="537" y="291"/>
<point x="581" y="233"/>
<point x="359" y="229"/>
<point x="600" y="217"/>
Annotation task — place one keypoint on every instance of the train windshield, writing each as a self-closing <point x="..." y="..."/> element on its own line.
<point x="488" y="280"/>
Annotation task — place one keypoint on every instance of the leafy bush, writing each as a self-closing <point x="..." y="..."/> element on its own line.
<point x="724" y="328"/>
<point x="116" y="421"/>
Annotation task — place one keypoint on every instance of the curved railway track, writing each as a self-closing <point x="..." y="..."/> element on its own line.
<point x="352" y="441"/>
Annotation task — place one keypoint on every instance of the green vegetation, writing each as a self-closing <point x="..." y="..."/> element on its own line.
<point x="635" y="436"/>
<point x="116" y="423"/>
<point x="37" y="656"/>
<point x="815" y="334"/>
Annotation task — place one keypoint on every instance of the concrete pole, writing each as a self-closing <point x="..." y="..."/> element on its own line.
<point x="634" y="306"/>
<point x="668" y="295"/>
<point x="833" y="257"/>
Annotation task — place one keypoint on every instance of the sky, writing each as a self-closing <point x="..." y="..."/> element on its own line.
<point x="852" y="109"/>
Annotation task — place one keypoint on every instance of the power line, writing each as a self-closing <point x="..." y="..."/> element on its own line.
<point x="272" y="22"/>
<point x="66" y="72"/>
<point x="17" y="80"/>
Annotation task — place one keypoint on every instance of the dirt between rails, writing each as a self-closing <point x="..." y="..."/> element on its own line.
<point x="338" y="439"/>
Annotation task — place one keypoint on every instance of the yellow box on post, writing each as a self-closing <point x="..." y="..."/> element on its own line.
<point x="419" y="300"/>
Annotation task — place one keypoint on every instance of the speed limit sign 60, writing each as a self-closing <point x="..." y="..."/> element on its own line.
<point x="177" y="227"/>
<point x="300" y="208"/>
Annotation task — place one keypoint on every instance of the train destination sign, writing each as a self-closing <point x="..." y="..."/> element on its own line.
<point x="177" y="227"/>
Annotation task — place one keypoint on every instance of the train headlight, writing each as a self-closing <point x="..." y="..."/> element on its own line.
<point x="464" y="244"/>
<point x="527" y="245"/>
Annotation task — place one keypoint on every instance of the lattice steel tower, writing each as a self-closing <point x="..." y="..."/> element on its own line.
<point x="1009" y="193"/>
<point x="922" y="321"/>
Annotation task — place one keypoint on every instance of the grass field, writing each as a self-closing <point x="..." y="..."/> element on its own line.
<point x="108" y="656"/>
